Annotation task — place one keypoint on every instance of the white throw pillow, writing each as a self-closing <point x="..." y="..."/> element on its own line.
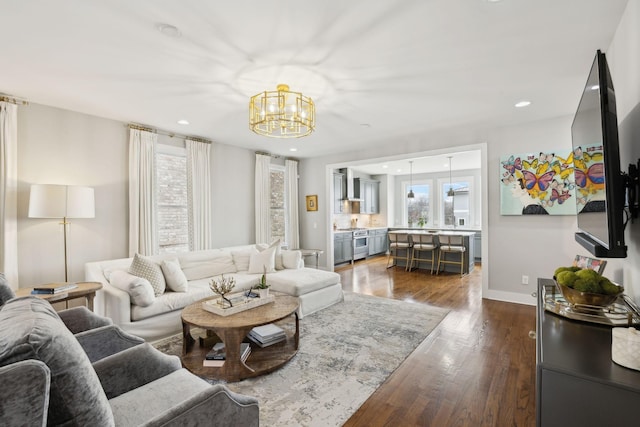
<point x="278" y="259"/>
<point x="241" y="258"/>
<point x="261" y="260"/>
<point x="139" y="289"/>
<point x="173" y="275"/>
<point x="291" y="259"/>
<point x="147" y="268"/>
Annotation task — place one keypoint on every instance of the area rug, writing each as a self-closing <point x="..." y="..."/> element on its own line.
<point x="346" y="351"/>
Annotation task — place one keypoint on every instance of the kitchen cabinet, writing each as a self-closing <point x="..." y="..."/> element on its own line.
<point x="342" y="251"/>
<point x="377" y="241"/>
<point x="369" y="194"/>
<point x="338" y="193"/>
<point x="577" y="382"/>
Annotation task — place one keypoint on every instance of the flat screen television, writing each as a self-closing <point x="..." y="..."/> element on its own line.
<point x="600" y="185"/>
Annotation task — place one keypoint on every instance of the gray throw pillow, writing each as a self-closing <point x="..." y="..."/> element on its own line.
<point x="146" y="268"/>
<point x="6" y="293"/>
<point x="31" y="329"/>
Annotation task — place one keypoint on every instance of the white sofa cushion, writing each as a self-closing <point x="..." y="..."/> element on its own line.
<point x="302" y="281"/>
<point x="278" y="257"/>
<point x="139" y="289"/>
<point x="210" y="263"/>
<point x="149" y="269"/>
<point x="173" y="275"/>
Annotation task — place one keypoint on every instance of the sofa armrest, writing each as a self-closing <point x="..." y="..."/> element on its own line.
<point x="107" y="340"/>
<point x="79" y="319"/>
<point x="215" y="403"/>
<point x="24" y="395"/>
<point x="132" y="368"/>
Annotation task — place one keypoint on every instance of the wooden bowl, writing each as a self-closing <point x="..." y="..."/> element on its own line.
<point x="574" y="297"/>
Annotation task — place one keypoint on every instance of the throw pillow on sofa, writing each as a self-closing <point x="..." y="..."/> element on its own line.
<point x="139" y="289"/>
<point x="174" y="276"/>
<point x="278" y="257"/>
<point x="147" y="268"/>
<point x="262" y="262"/>
<point x="291" y="259"/>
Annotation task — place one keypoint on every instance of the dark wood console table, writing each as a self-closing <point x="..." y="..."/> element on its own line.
<point x="577" y="383"/>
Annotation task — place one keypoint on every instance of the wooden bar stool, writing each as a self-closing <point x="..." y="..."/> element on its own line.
<point x="451" y="243"/>
<point x="399" y="242"/>
<point x="423" y="244"/>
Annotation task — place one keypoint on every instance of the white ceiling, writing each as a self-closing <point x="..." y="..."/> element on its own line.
<point x="378" y="71"/>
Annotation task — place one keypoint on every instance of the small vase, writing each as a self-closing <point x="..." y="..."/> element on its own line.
<point x="264" y="293"/>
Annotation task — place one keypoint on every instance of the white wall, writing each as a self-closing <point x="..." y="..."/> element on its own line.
<point x="63" y="147"/>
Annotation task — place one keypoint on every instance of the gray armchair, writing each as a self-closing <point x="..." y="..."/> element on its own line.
<point x="48" y="378"/>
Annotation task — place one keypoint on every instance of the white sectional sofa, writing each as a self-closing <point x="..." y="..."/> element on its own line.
<point x="141" y="309"/>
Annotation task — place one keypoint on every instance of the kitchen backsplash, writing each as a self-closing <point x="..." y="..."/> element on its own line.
<point x="358" y="220"/>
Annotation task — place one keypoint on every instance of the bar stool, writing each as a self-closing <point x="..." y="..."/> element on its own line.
<point x="451" y="243"/>
<point x="399" y="242"/>
<point x="423" y="244"/>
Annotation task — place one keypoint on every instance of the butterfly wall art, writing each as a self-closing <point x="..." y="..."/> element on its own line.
<point x="550" y="183"/>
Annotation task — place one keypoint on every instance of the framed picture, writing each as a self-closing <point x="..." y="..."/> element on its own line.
<point x="312" y="202"/>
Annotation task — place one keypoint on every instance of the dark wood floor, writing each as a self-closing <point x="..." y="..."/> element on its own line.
<point x="477" y="368"/>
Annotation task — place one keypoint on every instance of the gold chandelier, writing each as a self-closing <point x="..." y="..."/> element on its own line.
<point x="282" y="114"/>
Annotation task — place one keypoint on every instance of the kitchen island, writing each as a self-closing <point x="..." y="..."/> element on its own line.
<point x="468" y="242"/>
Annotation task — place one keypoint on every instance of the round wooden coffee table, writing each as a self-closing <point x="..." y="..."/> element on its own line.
<point x="232" y="331"/>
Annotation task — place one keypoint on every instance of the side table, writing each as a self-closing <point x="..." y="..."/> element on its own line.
<point x="85" y="290"/>
<point x="312" y="252"/>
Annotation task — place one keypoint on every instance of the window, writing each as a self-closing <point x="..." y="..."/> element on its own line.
<point x="278" y="203"/>
<point x="172" y="209"/>
<point x="418" y="210"/>
<point x="456" y="208"/>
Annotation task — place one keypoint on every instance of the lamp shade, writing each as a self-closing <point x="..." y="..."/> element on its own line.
<point x="61" y="201"/>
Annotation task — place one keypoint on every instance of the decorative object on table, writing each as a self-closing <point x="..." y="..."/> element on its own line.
<point x="53" y="288"/>
<point x="312" y="203"/>
<point x="542" y="184"/>
<point x="583" y="286"/>
<point x="240" y="303"/>
<point x="62" y="201"/>
<point x="222" y="287"/>
<point x="591" y="263"/>
<point x="217" y="356"/>
<point x="263" y="287"/>
<point x="625" y="347"/>
<point x="281" y="113"/>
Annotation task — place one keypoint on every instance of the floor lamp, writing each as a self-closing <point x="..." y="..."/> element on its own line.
<point x="61" y="201"/>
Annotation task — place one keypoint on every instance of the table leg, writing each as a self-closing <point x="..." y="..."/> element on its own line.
<point x="234" y="368"/>
<point x="187" y="339"/>
<point x="90" y="300"/>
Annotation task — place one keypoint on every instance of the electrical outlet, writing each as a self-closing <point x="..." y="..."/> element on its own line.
<point x="525" y="280"/>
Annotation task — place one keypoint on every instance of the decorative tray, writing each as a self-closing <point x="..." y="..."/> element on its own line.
<point x="623" y="311"/>
<point x="240" y="303"/>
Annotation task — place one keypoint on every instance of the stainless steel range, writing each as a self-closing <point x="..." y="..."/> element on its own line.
<point x="360" y="244"/>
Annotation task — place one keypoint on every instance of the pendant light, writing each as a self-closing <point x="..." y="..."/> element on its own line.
<point x="450" y="193"/>
<point x="411" y="195"/>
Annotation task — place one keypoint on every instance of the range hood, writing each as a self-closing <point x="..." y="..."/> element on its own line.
<point x="352" y="194"/>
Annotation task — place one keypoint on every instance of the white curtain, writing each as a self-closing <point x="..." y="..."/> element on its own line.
<point x="142" y="196"/>
<point x="199" y="194"/>
<point x="263" y="198"/>
<point x="291" y="190"/>
<point x="9" y="192"/>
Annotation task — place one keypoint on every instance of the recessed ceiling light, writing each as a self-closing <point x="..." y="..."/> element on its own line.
<point x="365" y="125"/>
<point x="183" y="122"/>
<point x="399" y="170"/>
<point x="169" y="30"/>
<point x="493" y="1"/>
<point x="293" y="149"/>
<point x="523" y="104"/>
<point x="385" y="166"/>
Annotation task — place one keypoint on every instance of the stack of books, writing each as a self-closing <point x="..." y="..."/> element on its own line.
<point x="216" y="357"/>
<point x="53" y="288"/>
<point x="267" y="335"/>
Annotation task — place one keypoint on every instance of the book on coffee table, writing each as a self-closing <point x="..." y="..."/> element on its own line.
<point x="217" y="355"/>
<point x="267" y="335"/>
<point x="53" y="288"/>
